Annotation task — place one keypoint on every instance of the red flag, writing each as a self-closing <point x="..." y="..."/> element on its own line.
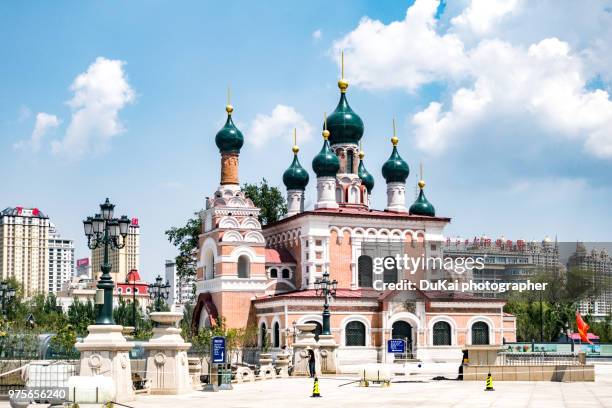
<point x="583" y="328"/>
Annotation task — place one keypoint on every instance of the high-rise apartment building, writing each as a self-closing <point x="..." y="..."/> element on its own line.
<point x="24" y="242"/>
<point x="599" y="263"/>
<point x="61" y="260"/>
<point x="181" y="288"/>
<point x="122" y="260"/>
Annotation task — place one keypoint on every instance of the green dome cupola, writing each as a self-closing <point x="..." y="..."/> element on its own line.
<point x="326" y="163"/>
<point x="229" y="139"/>
<point x="395" y="169"/>
<point x="366" y="178"/>
<point x="346" y="126"/>
<point x="422" y="206"/>
<point x="295" y="177"/>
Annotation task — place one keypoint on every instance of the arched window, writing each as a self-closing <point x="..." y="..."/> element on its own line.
<point x="263" y="332"/>
<point x="339" y="195"/>
<point x="209" y="265"/>
<point x="441" y="334"/>
<point x="364" y="270"/>
<point x="355" y="334"/>
<point x="286" y="273"/>
<point x="349" y="161"/>
<point x="318" y="329"/>
<point x="276" y="335"/>
<point x="244" y="266"/>
<point x="480" y="333"/>
<point x="273" y="273"/>
<point x="390" y="274"/>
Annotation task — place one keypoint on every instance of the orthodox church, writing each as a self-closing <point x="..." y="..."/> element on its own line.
<point x="265" y="276"/>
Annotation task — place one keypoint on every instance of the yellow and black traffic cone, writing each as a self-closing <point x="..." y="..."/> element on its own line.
<point x="315" y="389"/>
<point x="489" y="386"/>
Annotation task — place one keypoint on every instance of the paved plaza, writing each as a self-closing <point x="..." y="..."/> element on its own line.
<point x="295" y="392"/>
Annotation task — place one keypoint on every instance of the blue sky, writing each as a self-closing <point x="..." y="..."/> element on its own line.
<point x="506" y="106"/>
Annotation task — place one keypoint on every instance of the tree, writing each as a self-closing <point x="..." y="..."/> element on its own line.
<point x="269" y="199"/>
<point x="186" y="240"/>
<point x="81" y="315"/>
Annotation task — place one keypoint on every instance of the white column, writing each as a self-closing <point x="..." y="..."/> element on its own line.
<point x="295" y="202"/>
<point x="396" y="197"/>
<point x="326" y="193"/>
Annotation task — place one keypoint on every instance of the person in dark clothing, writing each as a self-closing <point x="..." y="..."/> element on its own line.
<point x="311" y="363"/>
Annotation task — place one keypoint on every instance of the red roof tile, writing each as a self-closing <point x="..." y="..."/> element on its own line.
<point x="275" y="256"/>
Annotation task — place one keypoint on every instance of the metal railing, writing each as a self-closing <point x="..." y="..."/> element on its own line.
<point x="537" y="358"/>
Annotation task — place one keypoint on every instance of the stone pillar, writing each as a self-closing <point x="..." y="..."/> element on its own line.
<point x="326" y="193"/>
<point x="328" y="352"/>
<point x="266" y="369"/>
<point x="305" y="341"/>
<point x="396" y="197"/>
<point x="106" y="352"/>
<point x="295" y="202"/>
<point x="282" y="364"/>
<point x="166" y="353"/>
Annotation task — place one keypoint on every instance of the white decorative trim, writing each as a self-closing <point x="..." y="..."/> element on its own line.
<point x="483" y="319"/>
<point x="231" y="284"/>
<point x="407" y="317"/>
<point x="228" y="222"/>
<point x="254" y="236"/>
<point x="359" y="318"/>
<point x="232" y="236"/>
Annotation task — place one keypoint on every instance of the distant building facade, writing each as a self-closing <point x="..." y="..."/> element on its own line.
<point x="182" y="290"/>
<point x="505" y="260"/>
<point x="61" y="260"/>
<point x="24" y="246"/>
<point x="83" y="268"/>
<point x="600" y="264"/>
<point x="122" y="260"/>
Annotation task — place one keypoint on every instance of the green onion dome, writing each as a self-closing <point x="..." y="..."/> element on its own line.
<point x="366" y="178"/>
<point x="295" y="177"/>
<point x="395" y="168"/>
<point x="229" y="139"/>
<point x="346" y="126"/>
<point x="326" y="163"/>
<point x="421" y="206"/>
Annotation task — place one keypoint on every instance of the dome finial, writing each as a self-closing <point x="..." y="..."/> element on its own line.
<point x="421" y="182"/>
<point x="229" y="108"/>
<point x="342" y="83"/>
<point x="325" y="131"/>
<point x="361" y="152"/>
<point x="295" y="147"/>
<point x="394" y="139"/>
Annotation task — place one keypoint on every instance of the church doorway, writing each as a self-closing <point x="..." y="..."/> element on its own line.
<point x="403" y="330"/>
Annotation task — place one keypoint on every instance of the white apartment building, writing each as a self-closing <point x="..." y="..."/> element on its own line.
<point x="24" y="242"/>
<point x="599" y="263"/>
<point x="122" y="260"/>
<point x="61" y="260"/>
<point x="181" y="289"/>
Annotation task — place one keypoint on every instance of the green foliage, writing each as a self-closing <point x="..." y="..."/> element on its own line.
<point x="234" y="338"/>
<point x="186" y="240"/>
<point x="553" y="309"/>
<point x="603" y="329"/>
<point x="62" y="344"/>
<point x="81" y="315"/>
<point x="123" y="314"/>
<point x="269" y="199"/>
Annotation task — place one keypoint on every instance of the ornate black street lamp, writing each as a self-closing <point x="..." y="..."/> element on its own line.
<point x="7" y="293"/>
<point x="103" y="229"/>
<point x="326" y="288"/>
<point x="159" y="291"/>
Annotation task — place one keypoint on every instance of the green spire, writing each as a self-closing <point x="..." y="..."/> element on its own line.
<point x="422" y="206"/>
<point x="326" y="163"/>
<point x="229" y="139"/>
<point x="346" y="126"/>
<point x="295" y="177"/>
<point x="395" y="169"/>
<point x="366" y="178"/>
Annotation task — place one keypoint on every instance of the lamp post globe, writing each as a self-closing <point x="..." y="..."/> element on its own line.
<point x="102" y="230"/>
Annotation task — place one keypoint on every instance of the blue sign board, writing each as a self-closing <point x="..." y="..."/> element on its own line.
<point x="218" y="349"/>
<point x="396" y="346"/>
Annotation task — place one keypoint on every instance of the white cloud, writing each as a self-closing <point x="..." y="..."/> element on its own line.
<point x="279" y="124"/>
<point x="24" y="114"/>
<point x="542" y="85"/>
<point x="45" y="123"/>
<point x="317" y="34"/>
<point x="99" y="95"/>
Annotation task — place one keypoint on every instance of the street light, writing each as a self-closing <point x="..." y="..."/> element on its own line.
<point x="127" y="280"/>
<point x="159" y="291"/>
<point x="326" y="288"/>
<point x="7" y="293"/>
<point x="104" y="230"/>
